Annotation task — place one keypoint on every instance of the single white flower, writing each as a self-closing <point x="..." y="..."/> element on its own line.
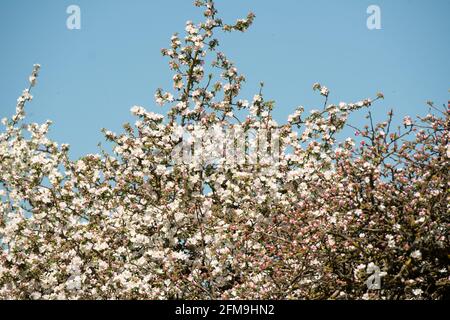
<point x="417" y="292"/>
<point x="417" y="255"/>
<point x="324" y="91"/>
<point x="160" y="170"/>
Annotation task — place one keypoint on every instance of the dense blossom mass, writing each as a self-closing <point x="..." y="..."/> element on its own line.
<point x="314" y="220"/>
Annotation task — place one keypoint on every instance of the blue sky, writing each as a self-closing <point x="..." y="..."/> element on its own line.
<point x="91" y="77"/>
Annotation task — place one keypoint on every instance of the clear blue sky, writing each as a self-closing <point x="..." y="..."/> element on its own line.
<point x="91" y="77"/>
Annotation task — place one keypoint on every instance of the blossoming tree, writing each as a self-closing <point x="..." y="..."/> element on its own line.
<point x="189" y="206"/>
